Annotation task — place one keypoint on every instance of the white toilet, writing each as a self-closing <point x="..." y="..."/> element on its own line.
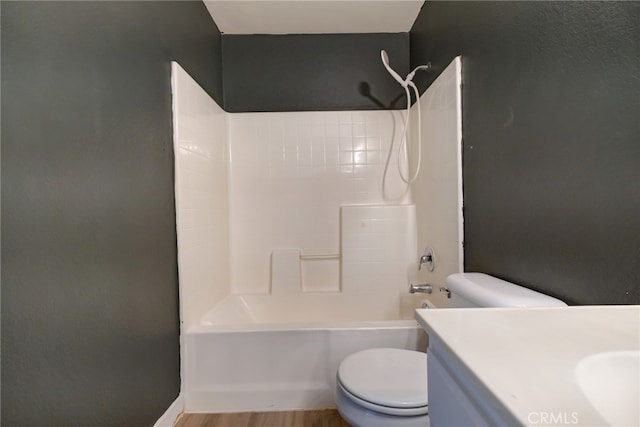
<point x="387" y="387"/>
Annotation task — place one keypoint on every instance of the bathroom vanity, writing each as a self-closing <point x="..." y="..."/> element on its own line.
<point x="534" y="366"/>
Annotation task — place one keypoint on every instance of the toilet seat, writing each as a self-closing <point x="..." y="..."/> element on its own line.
<point x="388" y="410"/>
<point x="386" y="380"/>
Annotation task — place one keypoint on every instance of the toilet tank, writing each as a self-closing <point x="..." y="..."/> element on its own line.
<point x="482" y="290"/>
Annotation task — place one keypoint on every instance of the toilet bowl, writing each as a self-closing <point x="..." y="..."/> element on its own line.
<point x="386" y="387"/>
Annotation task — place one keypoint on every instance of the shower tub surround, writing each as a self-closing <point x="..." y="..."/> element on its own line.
<point x="293" y="250"/>
<point x="280" y="350"/>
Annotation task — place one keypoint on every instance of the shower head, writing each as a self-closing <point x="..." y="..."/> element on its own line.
<point x="385" y="62"/>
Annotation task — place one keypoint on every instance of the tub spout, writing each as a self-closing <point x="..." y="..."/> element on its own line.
<point x="427" y="289"/>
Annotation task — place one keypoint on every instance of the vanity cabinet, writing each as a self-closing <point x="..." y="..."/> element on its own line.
<point x="570" y="366"/>
<point x="454" y="399"/>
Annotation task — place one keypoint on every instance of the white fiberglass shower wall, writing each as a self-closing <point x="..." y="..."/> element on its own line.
<point x="202" y="200"/>
<point x="308" y="211"/>
<point x="290" y="232"/>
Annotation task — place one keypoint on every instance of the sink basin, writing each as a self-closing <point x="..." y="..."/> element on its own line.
<point x="611" y="382"/>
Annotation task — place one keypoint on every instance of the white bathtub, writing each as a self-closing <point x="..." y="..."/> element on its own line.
<point x="268" y="353"/>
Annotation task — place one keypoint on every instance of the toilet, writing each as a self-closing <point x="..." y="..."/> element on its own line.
<point x="387" y="387"/>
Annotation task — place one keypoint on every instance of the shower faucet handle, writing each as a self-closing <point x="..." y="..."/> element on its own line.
<point x="429" y="258"/>
<point x="426" y="288"/>
<point x="424" y="259"/>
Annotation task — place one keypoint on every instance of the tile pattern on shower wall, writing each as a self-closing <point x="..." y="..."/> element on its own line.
<point x="201" y="186"/>
<point x="291" y="172"/>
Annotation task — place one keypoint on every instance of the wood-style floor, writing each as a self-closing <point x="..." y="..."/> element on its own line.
<point x="323" y="418"/>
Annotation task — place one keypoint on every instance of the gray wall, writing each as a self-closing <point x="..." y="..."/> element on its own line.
<point x="314" y="72"/>
<point x="89" y="271"/>
<point x="551" y="108"/>
<point x="89" y="274"/>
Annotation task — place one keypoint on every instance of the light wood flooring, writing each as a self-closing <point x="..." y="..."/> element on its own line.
<point x="322" y="418"/>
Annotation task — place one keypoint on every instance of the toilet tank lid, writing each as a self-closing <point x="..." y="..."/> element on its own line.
<point x="488" y="291"/>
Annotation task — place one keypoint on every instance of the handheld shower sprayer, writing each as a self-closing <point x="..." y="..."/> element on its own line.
<point x="385" y="62"/>
<point x="406" y="83"/>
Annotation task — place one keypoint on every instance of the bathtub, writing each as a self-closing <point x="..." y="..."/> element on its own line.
<point x="268" y="353"/>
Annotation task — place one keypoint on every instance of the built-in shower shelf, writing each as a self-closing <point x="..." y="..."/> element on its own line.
<point x="319" y="257"/>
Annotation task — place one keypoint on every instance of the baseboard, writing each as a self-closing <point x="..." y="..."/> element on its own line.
<point x="171" y="414"/>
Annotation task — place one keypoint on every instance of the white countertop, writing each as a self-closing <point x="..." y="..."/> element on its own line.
<point x="527" y="358"/>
